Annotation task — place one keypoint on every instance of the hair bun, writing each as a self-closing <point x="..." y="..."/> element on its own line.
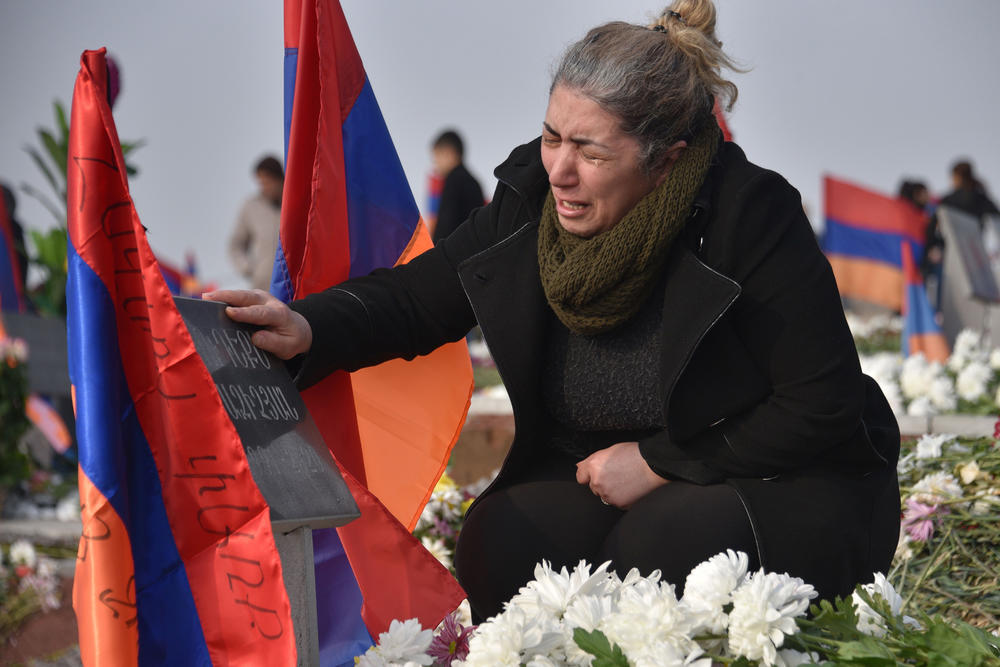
<point x="696" y="14"/>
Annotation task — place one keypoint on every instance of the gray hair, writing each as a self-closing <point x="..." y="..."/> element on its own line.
<point x="661" y="81"/>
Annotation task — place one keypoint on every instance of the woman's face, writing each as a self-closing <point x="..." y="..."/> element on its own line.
<point x="594" y="168"/>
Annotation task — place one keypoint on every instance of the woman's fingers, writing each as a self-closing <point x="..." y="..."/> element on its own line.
<point x="280" y="346"/>
<point x="285" y="334"/>
<point x="237" y="297"/>
<point x="263" y="315"/>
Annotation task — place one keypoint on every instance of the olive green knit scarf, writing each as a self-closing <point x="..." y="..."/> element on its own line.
<point x="595" y="284"/>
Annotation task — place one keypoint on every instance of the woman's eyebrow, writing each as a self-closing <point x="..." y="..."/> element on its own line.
<point x="579" y="141"/>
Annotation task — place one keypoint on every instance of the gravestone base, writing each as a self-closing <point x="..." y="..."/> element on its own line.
<point x="296" y="551"/>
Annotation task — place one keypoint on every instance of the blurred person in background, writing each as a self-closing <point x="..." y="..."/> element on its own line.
<point x="461" y="193"/>
<point x="968" y="193"/>
<point x="10" y="204"/>
<point x="255" y="238"/>
<point x="917" y="195"/>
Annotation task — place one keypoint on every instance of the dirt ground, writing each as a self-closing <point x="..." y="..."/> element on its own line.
<point x="45" y="639"/>
<point x="481" y="448"/>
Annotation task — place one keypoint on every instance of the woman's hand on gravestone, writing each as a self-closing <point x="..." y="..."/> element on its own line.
<point x="618" y="474"/>
<point x="285" y="333"/>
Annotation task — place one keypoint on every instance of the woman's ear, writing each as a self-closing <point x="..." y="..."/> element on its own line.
<point x="673" y="154"/>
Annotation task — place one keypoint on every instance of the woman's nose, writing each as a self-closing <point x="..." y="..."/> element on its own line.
<point x="563" y="172"/>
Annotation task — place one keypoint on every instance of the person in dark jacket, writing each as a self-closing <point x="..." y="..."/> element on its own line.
<point x="968" y="193"/>
<point x="461" y="192"/>
<point x="681" y="372"/>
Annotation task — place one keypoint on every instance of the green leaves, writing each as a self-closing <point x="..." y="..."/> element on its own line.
<point x="49" y="297"/>
<point x="597" y="645"/>
<point x="51" y="156"/>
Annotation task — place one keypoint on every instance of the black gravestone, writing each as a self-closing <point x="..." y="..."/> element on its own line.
<point x="288" y="459"/>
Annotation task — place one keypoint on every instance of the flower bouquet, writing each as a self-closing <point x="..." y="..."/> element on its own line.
<point x="727" y="615"/>
<point x="442" y="518"/>
<point x="968" y="383"/>
<point x="948" y="558"/>
<point x="28" y="583"/>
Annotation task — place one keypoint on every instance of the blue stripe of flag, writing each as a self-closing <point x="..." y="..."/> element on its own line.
<point x="382" y="214"/>
<point x="115" y="455"/>
<point x="843" y="239"/>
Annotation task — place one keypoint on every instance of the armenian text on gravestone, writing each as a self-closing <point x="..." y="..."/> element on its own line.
<point x="288" y="458"/>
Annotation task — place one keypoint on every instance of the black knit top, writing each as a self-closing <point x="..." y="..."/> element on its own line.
<point x="604" y="389"/>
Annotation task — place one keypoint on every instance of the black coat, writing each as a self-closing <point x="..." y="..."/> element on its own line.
<point x="762" y="382"/>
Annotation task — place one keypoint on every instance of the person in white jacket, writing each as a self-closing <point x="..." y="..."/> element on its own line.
<point x="255" y="237"/>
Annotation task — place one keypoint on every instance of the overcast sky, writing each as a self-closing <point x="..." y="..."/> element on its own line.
<point x="870" y="90"/>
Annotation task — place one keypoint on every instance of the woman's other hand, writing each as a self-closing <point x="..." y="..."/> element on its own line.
<point x="618" y="475"/>
<point x="285" y="333"/>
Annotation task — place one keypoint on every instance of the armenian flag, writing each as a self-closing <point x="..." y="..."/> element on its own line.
<point x="864" y="233"/>
<point x="184" y="281"/>
<point x="921" y="333"/>
<point x="347" y="209"/>
<point x="177" y="563"/>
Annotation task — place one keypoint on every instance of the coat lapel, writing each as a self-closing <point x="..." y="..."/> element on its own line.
<point x="505" y="291"/>
<point x="696" y="297"/>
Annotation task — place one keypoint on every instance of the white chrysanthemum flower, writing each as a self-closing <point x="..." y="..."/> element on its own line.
<point x="764" y="611"/>
<point x="438" y="549"/>
<point x="709" y="588"/>
<point x="865" y="327"/>
<point x="905" y="463"/>
<point x="870" y="621"/>
<point x="942" y="394"/>
<point x="884" y="368"/>
<point x="921" y="407"/>
<point x="929" y="446"/>
<point x="936" y="488"/>
<point x="445" y="504"/>
<point x="968" y="472"/>
<point x="984" y="506"/>
<point x="972" y="381"/>
<point x="405" y="641"/>
<point x="46" y="568"/>
<point x="857" y="325"/>
<point x="515" y="637"/>
<point x="658" y="654"/>
<point x="916" y="375"/>
<point x="586" y="612"/>
<point x="894" y="397"/>
<point x="995" y="359"/>
<point x="68" y="509"/>
<point x="23" y="553"/>
<point x="426" y="518"/>
<point x="967" y="348"/>
<point x="648" y="612"/>
<point x="476" y="488"/>
<point x="552" y="592"/>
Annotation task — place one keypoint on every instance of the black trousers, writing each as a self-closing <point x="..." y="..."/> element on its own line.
<point x="547" y="515"/>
